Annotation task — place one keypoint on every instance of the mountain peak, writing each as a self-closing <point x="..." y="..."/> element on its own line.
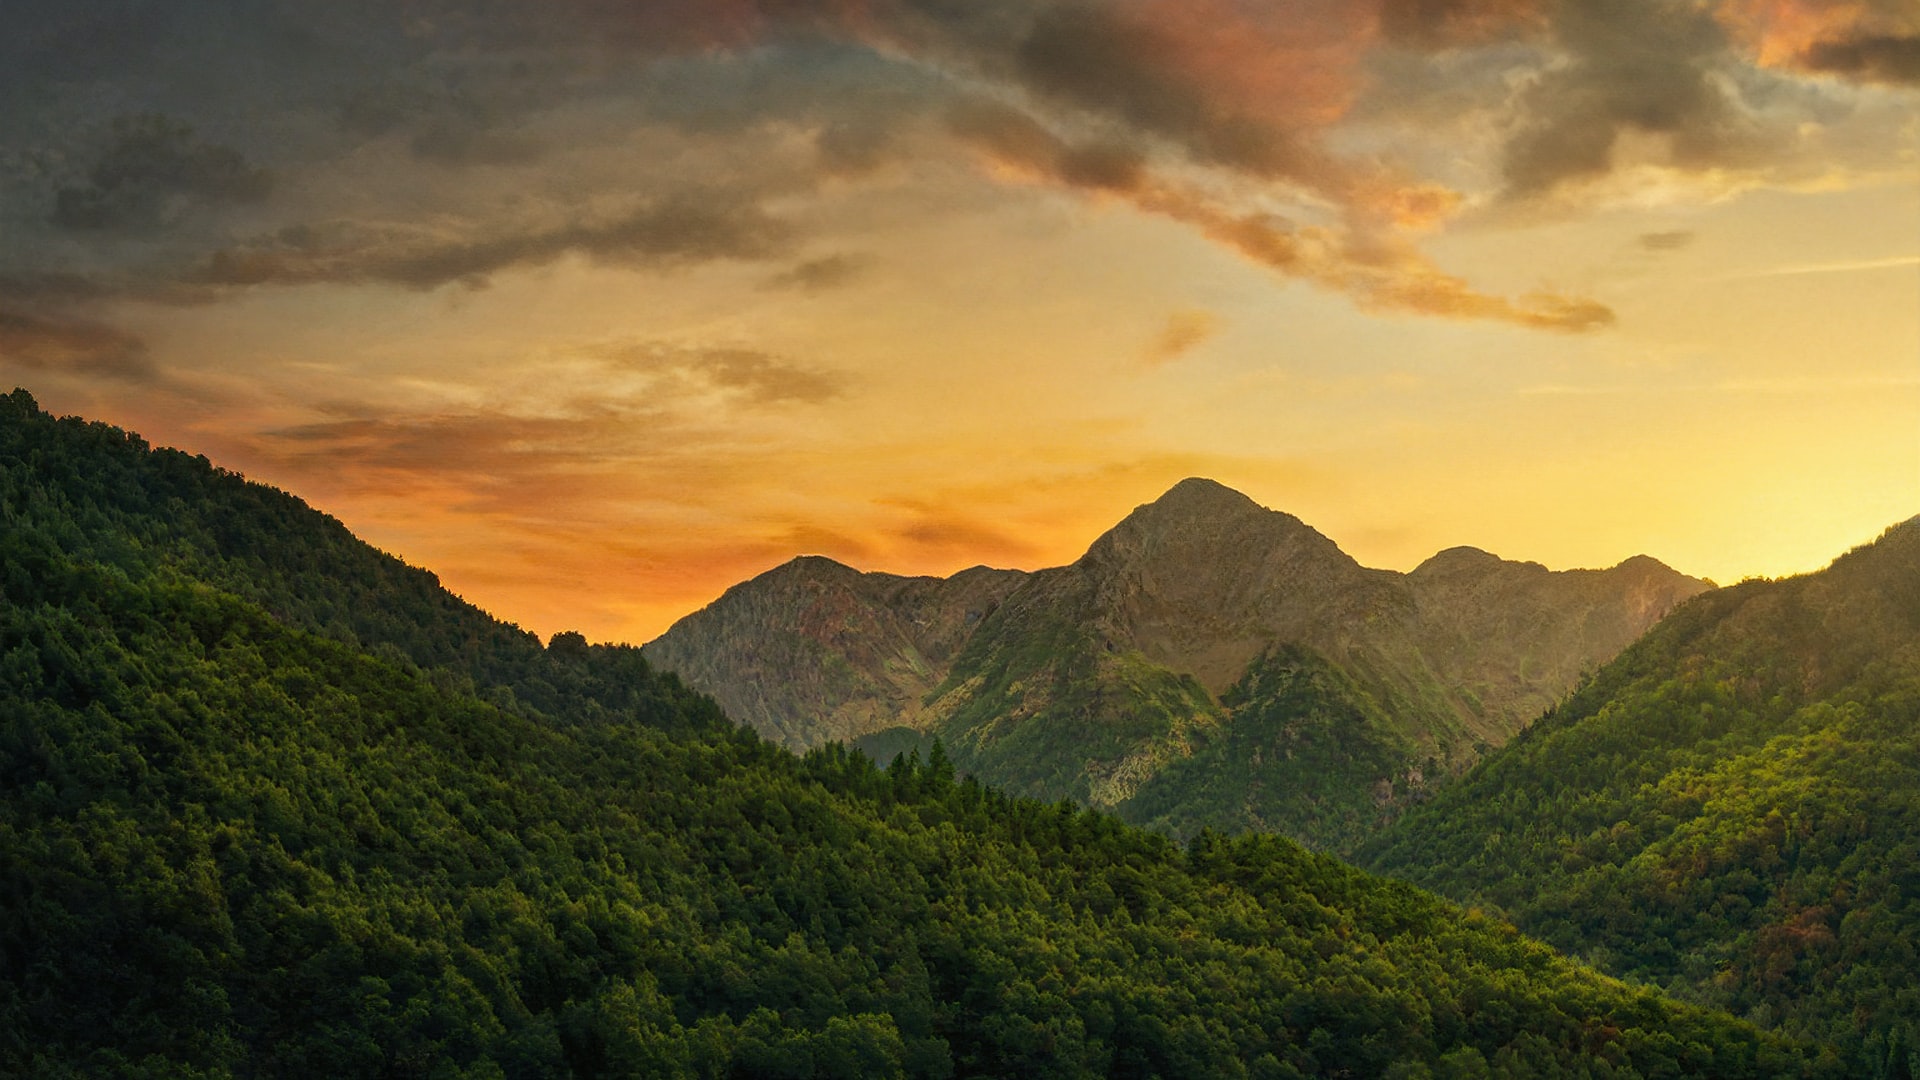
<point x="1201" y="495"/>
<point x="1457" y="560"/>
<point x="1206" y="526"/>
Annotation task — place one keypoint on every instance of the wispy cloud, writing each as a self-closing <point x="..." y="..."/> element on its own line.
<point x="1850" y="266"/>
<point x="1183" y="332"/>
<point x="43" y="343"/>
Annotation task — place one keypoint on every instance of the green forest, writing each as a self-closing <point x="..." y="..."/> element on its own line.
<point x="1729" y="811"/>
<point x="277" y="805"/>
<point x="1307" y="752"/>
<point x="1296" y="746"/>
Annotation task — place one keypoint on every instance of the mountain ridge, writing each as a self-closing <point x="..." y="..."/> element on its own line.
<point x="1728" y="809"/>
<point x="1090" y="679"/>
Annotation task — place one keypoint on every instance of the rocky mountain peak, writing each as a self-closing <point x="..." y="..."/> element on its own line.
<point x="1197" y="495"/>
<point x="1201" y="525"/>
<point x="1458" y="560"/>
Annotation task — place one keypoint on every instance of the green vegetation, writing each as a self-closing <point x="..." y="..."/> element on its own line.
<point x="1296" y="747"/>
<point x="1730" y="810"/>
<point x="894" y="741"/>
<point x="1305" y="752"/>
<point x="103" y="496"/>
<point x="1041" y="709"/>
<point x="238" y="839"/>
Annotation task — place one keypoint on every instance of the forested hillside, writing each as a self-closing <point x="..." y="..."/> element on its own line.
<point x="1731" y="809"/>
<point x="105" y="497"/>
<point x="237" y="841"/>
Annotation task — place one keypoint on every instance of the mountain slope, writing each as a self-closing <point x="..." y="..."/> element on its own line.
<point x="105" y="496"/>
<point x="1731" y="808"/>
<point x="231" y="845"/>
<point x="814" y="650"/>
<point x="1108" y="680"/>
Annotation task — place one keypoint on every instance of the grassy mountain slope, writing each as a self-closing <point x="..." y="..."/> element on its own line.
<point x="1730" y="809"/>
<point x="233" y="845"/>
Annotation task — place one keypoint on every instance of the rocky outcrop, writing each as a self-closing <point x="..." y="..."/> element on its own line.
<point x="813" y="650"/>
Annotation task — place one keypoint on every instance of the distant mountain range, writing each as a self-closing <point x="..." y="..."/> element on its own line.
<point x="1207" y="662"/>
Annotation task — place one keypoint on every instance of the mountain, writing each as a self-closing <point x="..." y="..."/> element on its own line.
<point x="238" y="841"/>
<point x="815" y="651"/>
<point x="1207" y="662"/>
<point x="1729" y="809"/>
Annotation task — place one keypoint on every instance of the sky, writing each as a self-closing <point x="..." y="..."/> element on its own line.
<point x="596" y="307"/>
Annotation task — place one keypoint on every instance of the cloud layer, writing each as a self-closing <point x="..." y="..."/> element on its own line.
<point x="1225" y="115"/>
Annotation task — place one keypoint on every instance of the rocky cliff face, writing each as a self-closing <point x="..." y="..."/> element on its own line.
<point x="1094" y="680"/>
<point x="814" y="651"/>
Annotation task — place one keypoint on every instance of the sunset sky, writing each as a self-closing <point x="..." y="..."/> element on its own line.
<point x="595" y="307"/>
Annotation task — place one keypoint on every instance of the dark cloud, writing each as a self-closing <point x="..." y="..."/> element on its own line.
<point x="853" y="149"/>
<point x="1439" y="24"/>
<point x="40" y="343"/>
<point x="1649" y="66"/>
<point x="473" y="112"/>
<point x="827" y="272"/>
<point x="1885" y="58"/>
<point x="1096" y="58"/>
<point x="1378" y="272"/>
<point x="153" y="170"/>
<point x="1106" y="97"/>
<point x="684" y="229"/>
<point x="1666" y="241"/>
<point x="468" y="143"/>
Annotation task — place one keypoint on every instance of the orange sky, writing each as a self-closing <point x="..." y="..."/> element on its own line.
<point x="596" y="308"/>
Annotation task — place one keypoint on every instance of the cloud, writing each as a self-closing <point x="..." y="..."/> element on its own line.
<point x="1235" y="84"/>
<point x="38" y="343"/>
<point x="582" y="407"/>
<point x="666" y="232"/>
<point x="153" y="171"/>
<point x="1851" y="266"/>
<point x="943" y="532"/>
<point x="1378" y="272"/>
<point x="1647" y="66"/>
<point x="852" y="148"/>
<point x="756" y="377"/>
<point x="827" y="272"/>
<point x="473" y="114"/>
<point x="1666" y="241"/>
<point x="1877" y="58"/>
<point x="1866" y="40"/>
<point x="1444" y="24"/>
<point x="1184" y="332"/>
<point x="402" y="139"/>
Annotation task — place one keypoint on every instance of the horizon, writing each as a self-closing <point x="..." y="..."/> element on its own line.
<point x="597" y="309"/>
<point x="546" y="633"/>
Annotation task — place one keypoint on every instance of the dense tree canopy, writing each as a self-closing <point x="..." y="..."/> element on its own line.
<point x="1730" y="810"/>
